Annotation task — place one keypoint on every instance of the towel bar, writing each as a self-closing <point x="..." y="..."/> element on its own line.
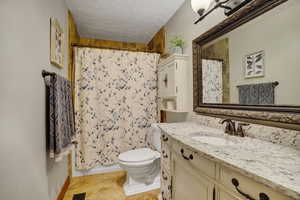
<point x="46" y="73"/>
<point x="275" y="83"/>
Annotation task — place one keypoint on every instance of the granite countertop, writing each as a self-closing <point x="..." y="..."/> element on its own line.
<point x="276" y="166"/>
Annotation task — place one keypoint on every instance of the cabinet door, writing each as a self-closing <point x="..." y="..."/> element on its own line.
<point x="166" y="81"/>
<point x="189" y="184"/>
<point x="162" y="76"/>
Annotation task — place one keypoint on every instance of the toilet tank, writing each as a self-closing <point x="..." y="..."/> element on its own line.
<point x="155" y="135"/>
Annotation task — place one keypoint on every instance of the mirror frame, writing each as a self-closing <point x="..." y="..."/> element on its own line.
<point x="283" y="116"/>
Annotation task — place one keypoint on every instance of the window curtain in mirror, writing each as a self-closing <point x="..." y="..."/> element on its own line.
<point x="115" y="103"/>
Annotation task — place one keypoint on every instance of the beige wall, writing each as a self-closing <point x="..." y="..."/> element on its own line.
<point x="25" y="171"/>
<point x="277" y="33"/>
<point x="182" y="24"/>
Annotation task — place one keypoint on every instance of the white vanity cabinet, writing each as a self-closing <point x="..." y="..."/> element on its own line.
<point x="188" y="175"/>
<point x="172" y="83"/>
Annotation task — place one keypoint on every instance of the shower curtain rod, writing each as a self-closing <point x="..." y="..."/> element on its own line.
<point x="111" y="48"/>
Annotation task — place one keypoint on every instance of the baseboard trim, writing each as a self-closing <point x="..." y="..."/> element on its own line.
<point x="97" y="170"/>
<point x="64" y="189"/>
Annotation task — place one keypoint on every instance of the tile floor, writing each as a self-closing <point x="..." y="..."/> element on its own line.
<point x="105" y="187"/>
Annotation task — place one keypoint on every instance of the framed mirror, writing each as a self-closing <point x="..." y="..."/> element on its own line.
<point x="248" y="66"/>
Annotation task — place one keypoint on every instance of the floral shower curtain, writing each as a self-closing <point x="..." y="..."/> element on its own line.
<point x="115" y="103"/>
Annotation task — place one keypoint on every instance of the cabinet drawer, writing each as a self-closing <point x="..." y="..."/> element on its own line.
<point x="247" y="185"/>
<point x="165" y="156"/>
<point x="195" y="160"/>
<point x="166" y="184"/>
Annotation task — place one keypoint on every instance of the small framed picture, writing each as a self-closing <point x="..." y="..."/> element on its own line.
<point x="255" y="65"/>
<point x="56" y="43"/>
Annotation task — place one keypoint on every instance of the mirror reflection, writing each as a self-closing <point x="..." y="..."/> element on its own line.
<point x="256" y="64"/>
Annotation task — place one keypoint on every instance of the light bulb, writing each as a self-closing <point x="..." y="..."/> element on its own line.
<point x="200" y="6"/>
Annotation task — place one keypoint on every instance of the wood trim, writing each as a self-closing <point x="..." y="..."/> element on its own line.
<point x="157" y="44"/>
<point x="64" y="189"/>
<point x="72" y="37"/>
<point x="109" y="44"/>
<point x="70" y="166"/>
<point x="282" y="116"/>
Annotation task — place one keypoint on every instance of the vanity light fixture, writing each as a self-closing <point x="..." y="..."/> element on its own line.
<point x="200" y="6"/>
<point x="205" y="7"/>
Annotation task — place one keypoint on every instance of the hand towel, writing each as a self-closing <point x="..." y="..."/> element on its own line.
<point x="60" y="118"/>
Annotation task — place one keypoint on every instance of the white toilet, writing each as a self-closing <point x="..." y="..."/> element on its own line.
<point x="142" y="166"/>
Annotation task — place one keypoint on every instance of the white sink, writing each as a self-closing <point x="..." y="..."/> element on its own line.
<point x="217" y="141"/>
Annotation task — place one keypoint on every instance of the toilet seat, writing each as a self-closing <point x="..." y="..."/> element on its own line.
<point x="138" y="156"/>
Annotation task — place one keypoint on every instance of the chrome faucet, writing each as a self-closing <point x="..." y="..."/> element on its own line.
<point x="231" y="130"/>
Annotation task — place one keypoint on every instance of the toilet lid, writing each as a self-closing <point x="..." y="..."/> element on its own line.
<point x="137" y="155"/>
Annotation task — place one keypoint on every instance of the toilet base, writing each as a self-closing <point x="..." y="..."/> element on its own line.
<point x="132" y="187"/>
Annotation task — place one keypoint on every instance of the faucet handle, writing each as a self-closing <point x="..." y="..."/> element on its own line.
<point x="240" y="131"/>
<point x="230" y="126"/>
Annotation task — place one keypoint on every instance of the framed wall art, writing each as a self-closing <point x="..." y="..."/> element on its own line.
<point x="56" y="43"/>
<point x="255" y="65"/>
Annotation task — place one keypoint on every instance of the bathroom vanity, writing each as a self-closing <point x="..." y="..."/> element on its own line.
<point x="200" y="162"/>
<point x="240" y="73"/>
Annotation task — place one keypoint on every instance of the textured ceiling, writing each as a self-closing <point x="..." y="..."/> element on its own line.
<point x="122" y="20"/>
